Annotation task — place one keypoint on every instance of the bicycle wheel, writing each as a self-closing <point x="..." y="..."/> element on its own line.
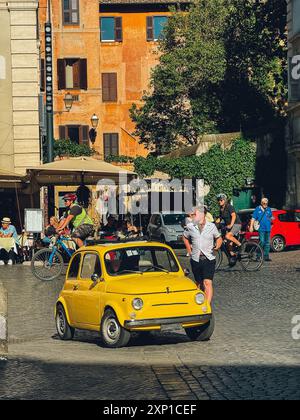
<point x="219" y="259"/>
<point x="251" y="256"/>
<point x="41" y="267"/>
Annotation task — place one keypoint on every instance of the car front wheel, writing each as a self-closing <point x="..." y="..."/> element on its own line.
<point x="203" y="332"/>
<point x="278" y="244"/>
<point x="113" y="335"/>
<point x="64" y="330"/>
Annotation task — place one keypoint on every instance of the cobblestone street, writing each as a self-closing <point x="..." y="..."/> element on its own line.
<point x="251" y="355"/>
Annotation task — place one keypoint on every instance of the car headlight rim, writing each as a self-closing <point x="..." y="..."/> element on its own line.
<point x="137" y="304"/>
<point x="200" y="298"/>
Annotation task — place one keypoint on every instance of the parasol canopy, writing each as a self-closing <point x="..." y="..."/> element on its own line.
<point x="74" y="171"/>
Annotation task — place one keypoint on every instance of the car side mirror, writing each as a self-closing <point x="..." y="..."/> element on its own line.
<point x="95" y="278"/>
<point x="187" y="272"/>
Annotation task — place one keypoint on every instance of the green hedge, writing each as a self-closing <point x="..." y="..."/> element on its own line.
<point x="69" y="148"/>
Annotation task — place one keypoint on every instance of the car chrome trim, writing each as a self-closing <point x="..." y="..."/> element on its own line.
<point x="167" y="321"/>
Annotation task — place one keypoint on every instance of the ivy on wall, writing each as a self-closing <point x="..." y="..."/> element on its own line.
<point x="222" y="170"/>
<point x="72" y="149"/>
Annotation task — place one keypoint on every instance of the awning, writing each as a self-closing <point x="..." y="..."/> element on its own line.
<point x="74" y="171"/>
<point x="10" y="179"/>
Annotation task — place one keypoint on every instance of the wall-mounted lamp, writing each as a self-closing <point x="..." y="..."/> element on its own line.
<point x="93" y="131"/>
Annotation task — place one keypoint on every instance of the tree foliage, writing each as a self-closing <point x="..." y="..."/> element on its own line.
<point x="221" y="67"/>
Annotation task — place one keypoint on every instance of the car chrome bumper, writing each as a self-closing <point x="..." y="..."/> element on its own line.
<point x="168" y="321"/>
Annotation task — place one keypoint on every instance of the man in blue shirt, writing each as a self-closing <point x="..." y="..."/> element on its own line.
<point x="7" y="230"/>
<point x="263" y="215"/>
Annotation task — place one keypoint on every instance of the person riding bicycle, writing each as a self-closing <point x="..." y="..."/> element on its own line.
<point x="83" y="226"/>
<point x="232" y="221"/>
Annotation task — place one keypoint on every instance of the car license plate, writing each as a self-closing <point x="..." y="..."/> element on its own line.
<point x="171" y="327"/>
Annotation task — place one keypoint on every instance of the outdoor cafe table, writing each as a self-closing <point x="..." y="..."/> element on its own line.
<point x="8" y="244"/>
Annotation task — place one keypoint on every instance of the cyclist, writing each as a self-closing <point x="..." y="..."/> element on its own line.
<point x="83" y="226"/>
<point x="232" y="221"/>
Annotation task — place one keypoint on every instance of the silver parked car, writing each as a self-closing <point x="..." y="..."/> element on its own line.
<point x="166" y="227"/>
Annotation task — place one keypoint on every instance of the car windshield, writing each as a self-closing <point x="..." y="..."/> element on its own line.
<point x="173" y="219"/>
<point x="140" y="260"/>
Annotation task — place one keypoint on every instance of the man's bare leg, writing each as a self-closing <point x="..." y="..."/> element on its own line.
<point x="209" y="290"/>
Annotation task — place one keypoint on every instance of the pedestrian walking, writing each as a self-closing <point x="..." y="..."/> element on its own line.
<point x="262" y="222"/>
<point x="202" y="239"/>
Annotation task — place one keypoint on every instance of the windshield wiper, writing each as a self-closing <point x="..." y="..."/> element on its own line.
<point x="158" y="268"/>
<point x="130" y="271"/>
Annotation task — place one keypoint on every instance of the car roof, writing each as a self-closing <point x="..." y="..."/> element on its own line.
<point x="103" y="248"/>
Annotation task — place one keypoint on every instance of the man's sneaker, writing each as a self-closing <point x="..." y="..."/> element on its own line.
<point x="2" y="262"/>
<point x="10" y="262"/>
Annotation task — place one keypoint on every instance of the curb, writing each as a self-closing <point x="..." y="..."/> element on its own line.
<point x="3" y="321"/>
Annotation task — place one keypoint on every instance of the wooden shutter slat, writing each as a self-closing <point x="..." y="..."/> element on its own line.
<point x="61" y="74"/>
<point x="150" y="29"/>
<point x="118" y="29"/>
<point x="105" y="87"/>
<point x="83" y="74"/>
<point x="62" y="132"/>
<point x="113" y="87"/>
<point x="84" y="135"/>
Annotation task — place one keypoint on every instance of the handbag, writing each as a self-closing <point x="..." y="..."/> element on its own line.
<point x="257" y="223"/>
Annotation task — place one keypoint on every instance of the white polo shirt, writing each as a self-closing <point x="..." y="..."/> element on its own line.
<point x="203" y="241"/>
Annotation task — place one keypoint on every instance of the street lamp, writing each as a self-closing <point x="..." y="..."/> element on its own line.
<point x="95" y="121"/>
<point x="68" y="100"/>
<point x="93" y="131"/>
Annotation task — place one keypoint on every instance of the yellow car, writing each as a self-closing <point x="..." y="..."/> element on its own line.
<point x="129" y="287"/>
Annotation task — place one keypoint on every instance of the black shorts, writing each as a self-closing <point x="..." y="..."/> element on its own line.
<point x="203" y="270"/>
<point x="83" y="232"/>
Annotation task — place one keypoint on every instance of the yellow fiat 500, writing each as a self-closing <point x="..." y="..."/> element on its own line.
<point x="121" y="288"/>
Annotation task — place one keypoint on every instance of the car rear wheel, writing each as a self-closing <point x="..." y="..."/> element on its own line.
<point x="64" y="330"/>
<point x="203" y="332"/>
<point x="113" y="335"/>
<point x="278" y="244"/>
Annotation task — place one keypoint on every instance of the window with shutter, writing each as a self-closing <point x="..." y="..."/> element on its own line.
<point x="61" y="74"/>
<point x="109" y="87"/>
<point x="118" y="29"/>
<point x="84" y="135"/>
<point x="83" y="74"/>
<point x="111" y="144"/>
<point x="70" y="12"/>
<point x="62" y="132"/>
<point x="159" y="23"/>
<point x="150" y="33"/>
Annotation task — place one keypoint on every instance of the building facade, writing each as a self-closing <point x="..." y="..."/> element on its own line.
<point x="103" y="53"/>
<point x="19" y="104"/>
<point x="293" y="132"/>
<point x="19" y="85"/>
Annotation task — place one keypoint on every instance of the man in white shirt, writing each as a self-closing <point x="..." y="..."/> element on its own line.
<point x="206" y="240"/>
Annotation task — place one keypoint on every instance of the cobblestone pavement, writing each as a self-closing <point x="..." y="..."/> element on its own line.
<point x="251" y="355"/>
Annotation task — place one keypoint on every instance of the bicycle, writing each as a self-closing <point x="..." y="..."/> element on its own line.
<point x="250" y="255"/>
<point x="48" y="263"/>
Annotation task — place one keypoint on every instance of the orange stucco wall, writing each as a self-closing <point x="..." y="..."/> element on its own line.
<point x="131" y="59"/>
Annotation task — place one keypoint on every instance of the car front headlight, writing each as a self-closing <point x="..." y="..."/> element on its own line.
<point x="200" y="298"/>
<point x="137" y="304"/>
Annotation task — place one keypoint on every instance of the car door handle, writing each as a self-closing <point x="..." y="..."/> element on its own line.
<point x="75" y="287"/>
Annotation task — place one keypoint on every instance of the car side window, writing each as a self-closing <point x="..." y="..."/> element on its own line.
<point x="287" y="217"/>
<point x="91" y="265"/>
<point x="74" y="268"/>
<point x="297" y="214"/>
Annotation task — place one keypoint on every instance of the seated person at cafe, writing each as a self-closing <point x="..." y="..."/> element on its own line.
<point x="7" y="230"/>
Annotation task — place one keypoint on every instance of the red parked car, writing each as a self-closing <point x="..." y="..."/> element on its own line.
<point x="285" y="229"/>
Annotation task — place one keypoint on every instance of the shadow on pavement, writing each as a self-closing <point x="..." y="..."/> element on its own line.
<point x="31" y="379"/>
